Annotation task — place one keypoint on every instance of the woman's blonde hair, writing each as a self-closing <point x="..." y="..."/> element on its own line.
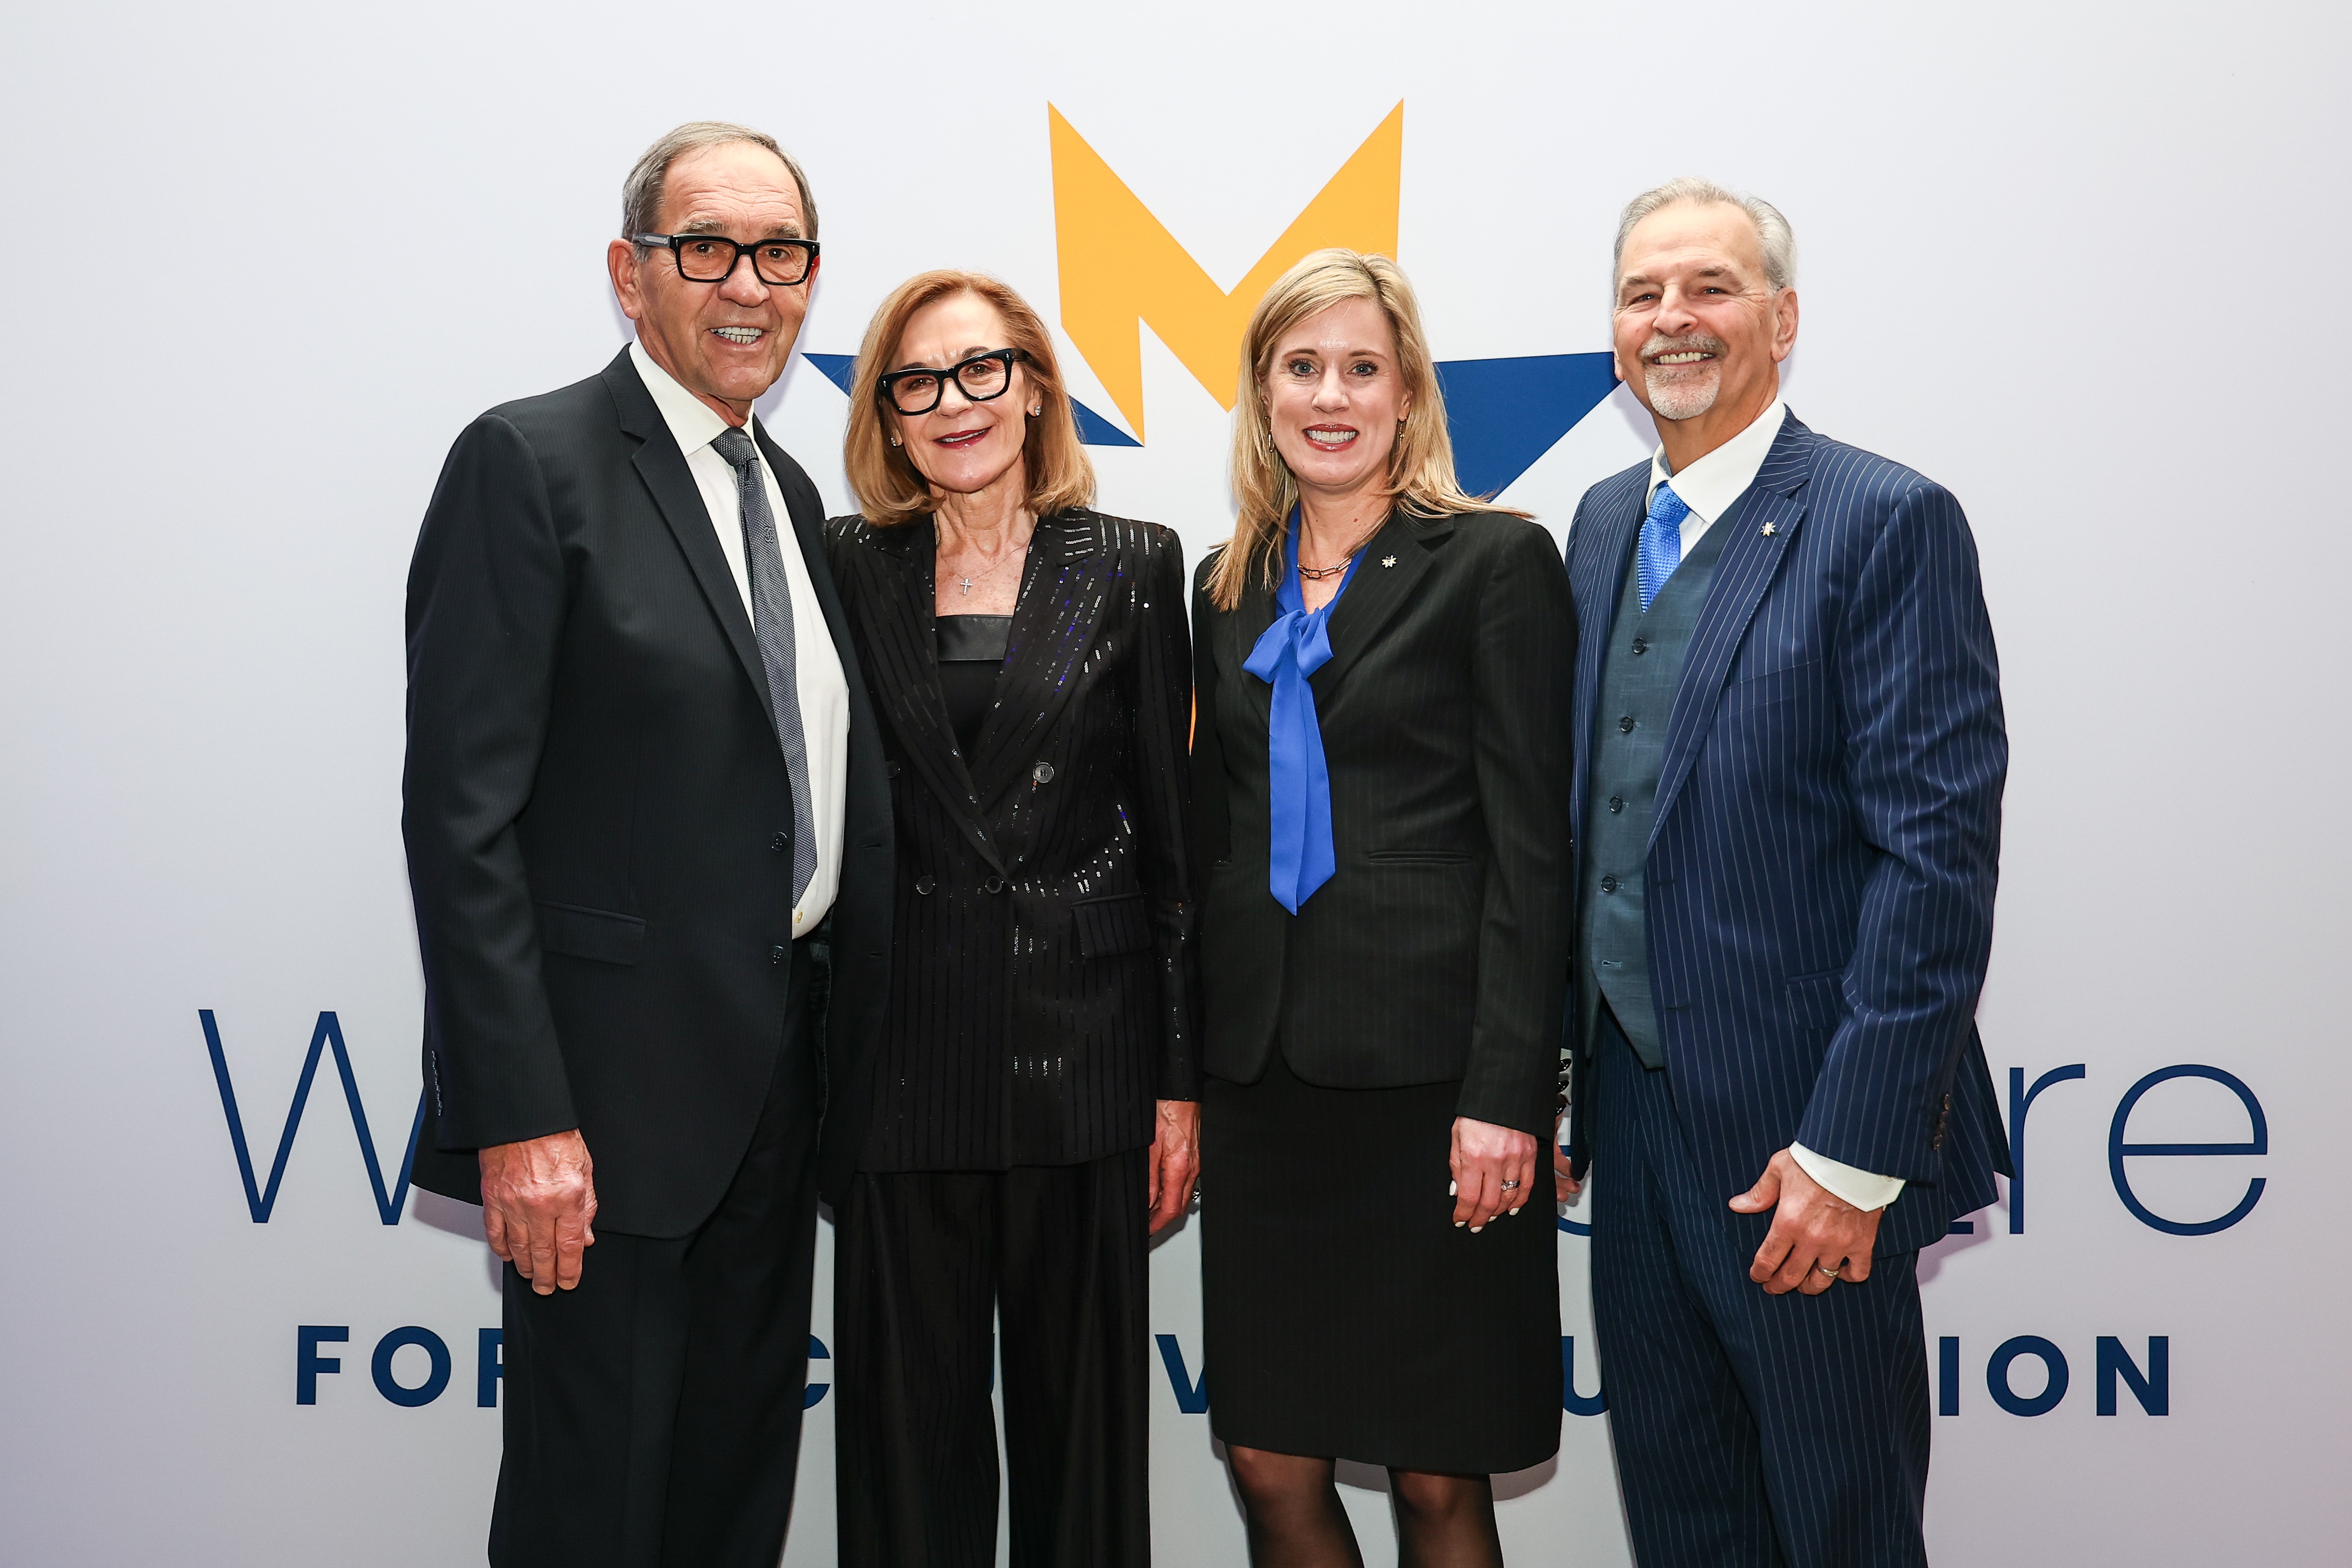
<point x="1421" y="465"/>
<point x="889" y="489"/>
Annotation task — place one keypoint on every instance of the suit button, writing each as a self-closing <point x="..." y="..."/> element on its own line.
<point x="891" y="769"/>
<point x="1043" y="773"/>
<point x="781" y="842"/>
<point x="1641" y="645"/>
<point x="925" y="884"/>
<point x="1625" y="725"/>
<point x="1607" y="884"/>
<point x="1616" y="805"/>
<point x="778" y="953"/>
<point x="994" y="885"/>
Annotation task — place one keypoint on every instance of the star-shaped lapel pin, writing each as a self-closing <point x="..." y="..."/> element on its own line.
<point x="1388" y="560"/>
<point x="1770" y="529"/>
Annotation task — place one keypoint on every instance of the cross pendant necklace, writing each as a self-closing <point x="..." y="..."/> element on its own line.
<point x="963" y="584"/>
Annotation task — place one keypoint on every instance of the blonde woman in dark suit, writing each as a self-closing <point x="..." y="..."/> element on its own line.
<point x="1033" y="1118"/>
<point x="1381" y="768"/>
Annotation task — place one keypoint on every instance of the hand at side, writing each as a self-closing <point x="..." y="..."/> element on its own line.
<point x="539" y="1207"/>
<point x="1175" y="1161"/>
<point x="1813" y="1229"/>
<point x="1565" y="1186"/>
<point x="1485" y="1157"/>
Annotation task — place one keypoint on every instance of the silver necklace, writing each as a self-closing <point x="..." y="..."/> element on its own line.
<point x="964" y="584"/>
<point x="1317" y="574"/>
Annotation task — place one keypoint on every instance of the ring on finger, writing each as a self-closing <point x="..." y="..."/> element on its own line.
<point x="1832" y="1273"/>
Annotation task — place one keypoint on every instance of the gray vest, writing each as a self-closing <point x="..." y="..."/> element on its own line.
<point x="1638" y="679"/>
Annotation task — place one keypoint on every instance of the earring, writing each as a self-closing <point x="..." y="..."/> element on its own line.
<point x="894" y="440"/>
<point x="1034" y="412"/>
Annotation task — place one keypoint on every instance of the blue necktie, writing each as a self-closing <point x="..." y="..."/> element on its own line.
<point x="1300" y="856"/>
<point x="1662" y="541"/>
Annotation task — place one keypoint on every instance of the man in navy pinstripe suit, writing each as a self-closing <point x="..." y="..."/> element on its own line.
<point x="1789" y="764"/>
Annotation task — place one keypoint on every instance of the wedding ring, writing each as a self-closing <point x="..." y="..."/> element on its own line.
<point x="1509" y="1185"/>
<point x="1832" y="1273"/>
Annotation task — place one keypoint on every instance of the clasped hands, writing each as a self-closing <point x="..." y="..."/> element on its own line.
<point x="1817" y="1237"/>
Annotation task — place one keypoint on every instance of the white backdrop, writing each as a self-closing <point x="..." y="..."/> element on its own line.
<point x="2036" y="241"/>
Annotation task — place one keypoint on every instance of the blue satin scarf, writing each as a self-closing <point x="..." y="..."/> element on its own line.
<point x="1295" y="647"/>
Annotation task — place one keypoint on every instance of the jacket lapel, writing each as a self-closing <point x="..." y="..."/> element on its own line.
<point x="1597" y="579"/>
<point x="1055" y="621"/>
<point x="905" y="656"/>
<point x="1377" y="591"/>
<point x="1236" y="634"/>
<point x="1763" y="522"/>
<point x="662" y="468"/>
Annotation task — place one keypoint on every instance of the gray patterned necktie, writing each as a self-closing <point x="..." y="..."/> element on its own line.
<point x="771" y="625"/>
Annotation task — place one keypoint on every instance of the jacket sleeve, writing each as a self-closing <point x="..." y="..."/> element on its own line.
<point x="486" y="611"/>
<point x="1162" y="704"/>
<point x="1926" y="755"/>
<point x="1521" y="685"/>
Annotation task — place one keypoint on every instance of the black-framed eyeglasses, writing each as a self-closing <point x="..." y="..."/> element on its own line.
<point x="980" y="378"/>
<point x="711" y="258"/>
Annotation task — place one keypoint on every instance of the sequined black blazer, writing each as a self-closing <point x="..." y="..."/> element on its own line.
<point x="1042" y="993"/>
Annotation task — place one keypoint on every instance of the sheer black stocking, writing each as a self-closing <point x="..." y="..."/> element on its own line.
<point x="1445" y="1521"/>
<point x="1292" y="1510"/>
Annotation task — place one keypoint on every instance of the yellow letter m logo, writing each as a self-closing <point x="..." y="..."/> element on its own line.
<point x="1121" y="267"/>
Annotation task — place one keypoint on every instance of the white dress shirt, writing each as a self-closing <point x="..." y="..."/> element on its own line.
<point x="821" y="689"/>
<point x="1709" y="487"/>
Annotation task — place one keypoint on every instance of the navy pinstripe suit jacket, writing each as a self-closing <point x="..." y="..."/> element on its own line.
<point x="1822" y="863"/>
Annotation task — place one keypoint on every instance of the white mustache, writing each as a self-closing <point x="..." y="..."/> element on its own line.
<point x="1696" y="343"/>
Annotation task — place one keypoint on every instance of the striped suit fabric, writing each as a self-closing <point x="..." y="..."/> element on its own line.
<point x="1045" y="986"/>
<point x="1041" y="1000"/>
<point x="1821" y="871"/>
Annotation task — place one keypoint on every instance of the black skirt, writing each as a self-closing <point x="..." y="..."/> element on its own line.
<point x="1344" y="1314"/>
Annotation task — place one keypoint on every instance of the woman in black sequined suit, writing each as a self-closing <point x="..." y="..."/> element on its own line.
<point x="1032" y="1095"/>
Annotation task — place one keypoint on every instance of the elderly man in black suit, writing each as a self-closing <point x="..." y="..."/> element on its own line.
<point x="648" y="836"/>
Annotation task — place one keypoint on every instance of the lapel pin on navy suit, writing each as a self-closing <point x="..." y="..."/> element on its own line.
<point x="1769" y="530"/>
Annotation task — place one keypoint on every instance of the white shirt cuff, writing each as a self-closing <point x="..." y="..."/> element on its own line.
<point x="1859" y="1188"/>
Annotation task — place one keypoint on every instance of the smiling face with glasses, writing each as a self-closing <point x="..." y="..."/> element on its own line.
<point x="718" y="295"/>
<point x="958" y="403"/>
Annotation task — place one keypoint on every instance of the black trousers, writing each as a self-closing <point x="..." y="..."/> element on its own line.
<point x="653" y="1415"/>
<point x="1751" y="1431"/>
<point x="1059" y="1255"/>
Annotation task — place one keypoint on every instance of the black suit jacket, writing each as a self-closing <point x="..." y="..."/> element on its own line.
<point x="1043" y="994"/>
<point x="1439" y="950"/>
<point x="598" y="819"/>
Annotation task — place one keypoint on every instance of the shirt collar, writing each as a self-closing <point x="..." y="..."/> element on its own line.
<point x="1710" y="485"/>
<point x="691" y="421"/>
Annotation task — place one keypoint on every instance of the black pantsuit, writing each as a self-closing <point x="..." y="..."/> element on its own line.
<point x="1346" y="1316"/>
<point x="1041" y="1002"/>
<point x="1058" y="1254"/>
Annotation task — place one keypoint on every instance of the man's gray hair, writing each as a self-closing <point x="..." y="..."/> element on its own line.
<point x="641" y="193"/>
<point x="1773" y="236"/>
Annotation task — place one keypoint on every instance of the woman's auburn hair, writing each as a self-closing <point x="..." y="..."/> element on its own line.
<point x="1421" y="465"/>
<point x="889" y="489"/>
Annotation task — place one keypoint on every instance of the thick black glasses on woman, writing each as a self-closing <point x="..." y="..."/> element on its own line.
<point x="980" y="377"/>
<point x="711" y="258"/>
